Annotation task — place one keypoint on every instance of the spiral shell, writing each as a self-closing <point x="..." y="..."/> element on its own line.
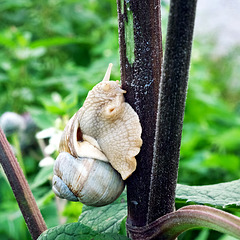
<point x="84" y="176"/>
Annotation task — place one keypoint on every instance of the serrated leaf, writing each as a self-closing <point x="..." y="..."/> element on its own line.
<point x="77" y="231"/>
<point x="104" y="219"/>
<point x="222" y="195"/>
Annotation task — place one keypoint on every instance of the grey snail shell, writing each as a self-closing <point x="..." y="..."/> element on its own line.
<point x="98" y="147"/>
<point x="91" y="180"/>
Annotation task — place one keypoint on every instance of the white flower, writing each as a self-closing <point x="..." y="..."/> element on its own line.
<point x="54" y="136"/>
<point x="47" y="161"/>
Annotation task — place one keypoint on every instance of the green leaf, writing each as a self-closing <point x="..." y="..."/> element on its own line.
<point x="70" y="101"/>
<point x="72" y="211"/>
<point x="104" y="219"/>
<point x="56" y="41"/>
<point x="229" y="140"/>
<point x="10" y="5"/>
<point x="77" y="231"/>
<point x="222" y="195"/>
<point x="42" y="177"/>
<point x="42" y="118"/>
<point x="226" y="161"/>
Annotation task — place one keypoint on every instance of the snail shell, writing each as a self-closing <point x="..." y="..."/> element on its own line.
<point x="99" y="142"/>
<point x="84" y="176"/>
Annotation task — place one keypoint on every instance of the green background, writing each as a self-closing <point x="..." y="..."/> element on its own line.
<point x="53" y="51"/>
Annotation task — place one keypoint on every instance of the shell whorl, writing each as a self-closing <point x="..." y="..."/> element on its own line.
<point x="87" y="180"/>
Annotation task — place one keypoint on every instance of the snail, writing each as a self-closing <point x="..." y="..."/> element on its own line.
<point x="98" y="147"/>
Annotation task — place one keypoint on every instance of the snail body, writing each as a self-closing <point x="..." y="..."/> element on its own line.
<point x="100" y="141"/>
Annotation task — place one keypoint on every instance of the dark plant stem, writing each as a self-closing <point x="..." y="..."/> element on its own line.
<point x="151" y="188"/>
<point x="141" y="59"/>
<point x="21" y="190"/>
<point x="173" y="90"/>
<point x="171" y="225"/>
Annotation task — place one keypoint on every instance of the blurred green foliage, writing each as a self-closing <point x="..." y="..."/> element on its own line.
<point x="54" y="46"/>
<point x="210" y="148"/>
<point x="211" y="134"/>
<point x="53" y="51"/>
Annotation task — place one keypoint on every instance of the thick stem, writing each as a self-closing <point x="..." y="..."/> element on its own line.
<point x="21" y="190"/>
<point x="173" y="90"/>
<point x="141" y="59"/>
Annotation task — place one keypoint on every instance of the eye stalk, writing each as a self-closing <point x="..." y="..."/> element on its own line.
<point x="108" y="73"/>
